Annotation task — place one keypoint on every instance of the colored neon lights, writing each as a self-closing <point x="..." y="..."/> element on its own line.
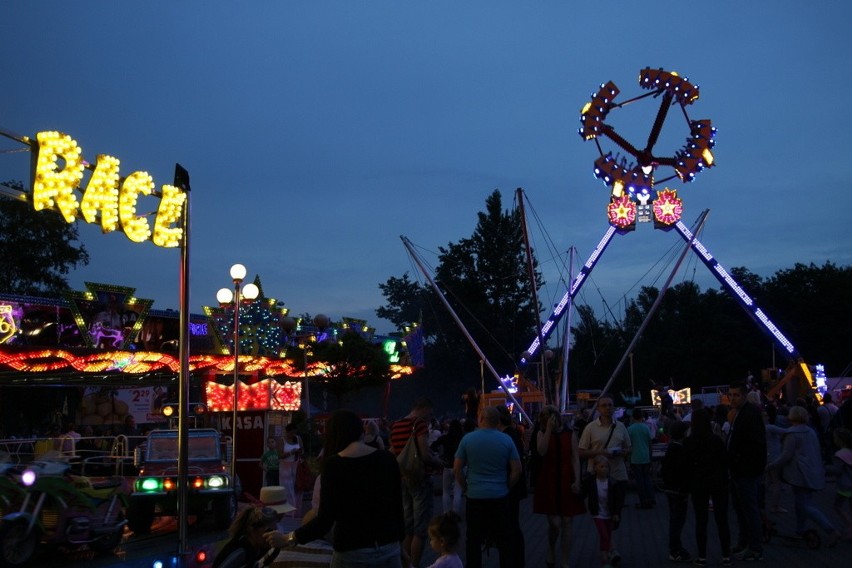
<point x="149" y="361"/>
<point x="7" y="323"/>
<point x="566" y="300"/>
<point x="668" y="207"/>
<point x="630" y="179"/>
<point x="622" y="212"/>
<point x="263" y="395"/>
<point x="736" y="290"/>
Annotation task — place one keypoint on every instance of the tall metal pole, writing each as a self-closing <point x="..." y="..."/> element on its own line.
<point x="182" y="182"/>
<point x="699" y="224"/>
<point x="236" y="380"/>
<point x="461" y="326"/>
<point x="632" y="384"/>
<point x="531" y="271"/>
<point x="307" y="385"/>
<point x="566" y="347"/>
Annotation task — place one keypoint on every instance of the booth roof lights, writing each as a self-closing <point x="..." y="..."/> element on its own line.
<point x="124" y="362"/>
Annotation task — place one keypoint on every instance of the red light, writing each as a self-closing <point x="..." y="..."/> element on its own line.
<point x="668" y="207"/>
<point x="198" y="483"/>
<point x="622" y="212"/>
<point x="168" y="484"/>
<point x="200" y="556"/>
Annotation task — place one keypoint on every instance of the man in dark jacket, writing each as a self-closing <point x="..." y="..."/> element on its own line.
<point x="675" y="471"/>
<point x="747" y="459"/>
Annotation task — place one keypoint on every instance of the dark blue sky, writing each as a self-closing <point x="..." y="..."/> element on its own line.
<point x="318" y="132"/>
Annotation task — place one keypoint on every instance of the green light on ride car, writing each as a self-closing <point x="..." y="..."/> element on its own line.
<point x="216" y="482"/>
<point x="150" y="484"/>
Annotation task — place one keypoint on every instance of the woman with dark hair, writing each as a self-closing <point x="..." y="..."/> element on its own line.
<point x="248" y="543"/>
<point x="708" y="479"/>
<point x="446" y="446"/>
<point x="557" y="487"/>
<point x="360" y="496"/>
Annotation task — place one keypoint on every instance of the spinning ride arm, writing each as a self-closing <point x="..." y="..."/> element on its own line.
<point x="565" y="302"/>
<point x="797" y="366"/>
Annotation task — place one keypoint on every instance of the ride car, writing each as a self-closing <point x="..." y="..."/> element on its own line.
<point x="210" y="488"/>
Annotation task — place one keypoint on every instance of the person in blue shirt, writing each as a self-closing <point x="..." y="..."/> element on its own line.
<point x="493" y="467"/>
<point x="640" y="459"/>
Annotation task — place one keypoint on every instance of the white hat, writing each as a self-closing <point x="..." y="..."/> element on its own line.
<point x="275" y="498"/>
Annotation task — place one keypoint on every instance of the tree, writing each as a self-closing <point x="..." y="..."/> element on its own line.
<point x="38" y="249"/>
<point x="352" y="363"/>
<point x="706" y="338"/>
<point x="485" y="280"/>
<point x="406" y="301"/>
<point x="813" y="306"/>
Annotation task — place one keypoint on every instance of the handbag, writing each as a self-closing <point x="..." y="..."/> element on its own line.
<point x="410" y="465"/>
<point x="587" y="476"/>
<point x="305" y="477"/>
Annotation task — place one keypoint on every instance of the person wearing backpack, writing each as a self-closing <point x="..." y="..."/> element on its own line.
<point x="417" y="490"/>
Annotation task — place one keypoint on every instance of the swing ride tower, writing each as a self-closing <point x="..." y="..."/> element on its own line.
<point x="638" y="193"/>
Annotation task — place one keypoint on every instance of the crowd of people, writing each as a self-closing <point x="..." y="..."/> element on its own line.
<point x="746" y="454"/>
<point x="738" y="460"/>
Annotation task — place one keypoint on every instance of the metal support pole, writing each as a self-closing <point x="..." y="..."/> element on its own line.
<point x="237" y="300"/>
<point x="698" y="225"/>
<point x="566" y="348"/>
<point x="461" y="326"/>
<point x="307" y="385"/>
<point x="182" y="182"/>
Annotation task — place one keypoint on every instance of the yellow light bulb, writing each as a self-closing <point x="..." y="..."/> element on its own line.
<point x="136" y="228"/>
<point x="52" y="186"/>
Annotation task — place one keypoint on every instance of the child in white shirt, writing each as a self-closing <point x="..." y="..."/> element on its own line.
<point x="444" y="534"/>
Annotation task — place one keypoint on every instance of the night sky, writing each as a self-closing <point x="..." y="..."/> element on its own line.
<point x="316" y="133"/>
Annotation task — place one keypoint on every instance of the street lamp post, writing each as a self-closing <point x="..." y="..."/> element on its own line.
<point x="321" y="322"/>
<point x="225" y="296"/>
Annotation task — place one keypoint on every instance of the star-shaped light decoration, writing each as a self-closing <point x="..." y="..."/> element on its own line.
<point x="622" y="212"/>
<point x="260" y="326"/>
<point x="668" y="207"/>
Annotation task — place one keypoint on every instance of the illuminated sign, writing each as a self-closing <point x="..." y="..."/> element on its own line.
<point x="819" y="378"/>
<point x="107" y="199"/>
<point x="7" y="323"/>
<point x="510" y="383"/>
<point x="682" y="396"/>
<point x="390" y="347"/>
<point x="622" y="212"/>
<point x="668" y="207"/>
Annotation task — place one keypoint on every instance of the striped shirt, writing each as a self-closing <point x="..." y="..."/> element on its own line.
<point x="401" y="432"/>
